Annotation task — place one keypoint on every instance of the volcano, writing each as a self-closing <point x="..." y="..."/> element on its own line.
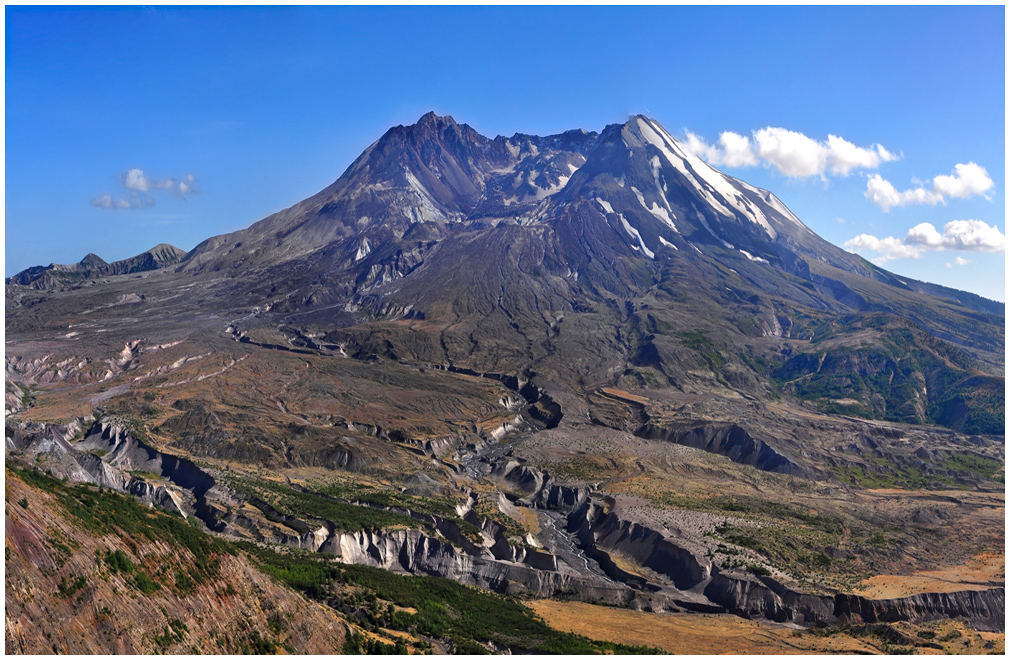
<point x="586" y="365"/>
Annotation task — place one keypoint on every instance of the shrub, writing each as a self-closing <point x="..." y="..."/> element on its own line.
<point x="144" y="582"/>
<point x="118" y="562"/>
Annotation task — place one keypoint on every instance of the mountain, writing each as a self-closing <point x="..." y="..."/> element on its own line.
<point x="586" y="365"/>
<point x="92" y="266"/>
<point x="505" y="253"/>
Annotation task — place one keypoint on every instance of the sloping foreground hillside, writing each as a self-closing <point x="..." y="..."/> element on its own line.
<point x="97" y="572"/>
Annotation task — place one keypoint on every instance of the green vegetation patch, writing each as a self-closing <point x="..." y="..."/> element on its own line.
<point x="986" y="468"/>
<point x="346" y="517"/>
<point x="118" y="562"/>
<point x="68" y="589"/>
<point x="465" y="617"/>
<point x="351" y="507"/>
<point x="879" y="472"/>
<point x="894" y="371"/>
<point x="353" y="492"/>
<point x="697" y="341"/>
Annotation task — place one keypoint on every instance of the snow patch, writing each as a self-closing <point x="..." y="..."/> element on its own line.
<point x="752" y="257"/>
<point x="667" y="243"/>
<point x="605" y="204"/>
<point x="705" y="224"/>
<point x="363" y="250"/>
<point x="656" y="210"/>
<point x="634" y="234"/>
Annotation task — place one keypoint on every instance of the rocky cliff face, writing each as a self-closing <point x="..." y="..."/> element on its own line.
<point x="730" y="440"/>
<point x="986" y="610"/>
<point x="704" y="587"/>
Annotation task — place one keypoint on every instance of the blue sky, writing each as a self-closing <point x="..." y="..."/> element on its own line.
<point x="263" y="107"/>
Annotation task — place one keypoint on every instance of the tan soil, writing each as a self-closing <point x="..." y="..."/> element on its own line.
<point x="689" y="634"/>
<point x="982" y="571"/>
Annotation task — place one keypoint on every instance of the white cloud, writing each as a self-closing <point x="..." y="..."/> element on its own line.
<point x="888" y="248"/>
<point x="960" y="235"/>
<point x="736" y="150"/>
<point x="966" y="180"/>
<point x="791" y="153"/>
<point x="881" y="192"/>
<point x="960" y="261"/>
<point x="700" y="148"/>
<point x="138" y="185"/>
<point x="135" y="180"/>
<point x="843" y="156"/>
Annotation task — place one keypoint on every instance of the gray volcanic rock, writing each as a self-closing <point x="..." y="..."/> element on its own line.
<point x="986" y="610"/>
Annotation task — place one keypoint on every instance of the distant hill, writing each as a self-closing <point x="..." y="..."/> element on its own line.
<point x="92" y="266"/>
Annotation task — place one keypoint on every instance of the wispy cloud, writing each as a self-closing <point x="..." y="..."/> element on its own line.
<point x="966" y="180"/>
<point x="110" y="202"/>
<point x="960" y="261"/>
<point x="958" y="235"/>
<point x="140" y="188"/>
<point x="790" y="152"/>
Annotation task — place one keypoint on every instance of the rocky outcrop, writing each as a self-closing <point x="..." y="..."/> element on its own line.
<point x="768" y="599"/>
<point x="541" y="406"/>
<point x="412" y="551"/>
<point x="540" y="489"/>
<point x="558" y="497"/>
<point x="597" y="530"/>
<point x="985" y="610"/>
<point x="730" y="440"/>
<point x="706" y="588"/>
<point x="124" y="451"/>
<point x="546" y="410"/>
<point x="523" y="478"/>
<point x="48" y="446"/>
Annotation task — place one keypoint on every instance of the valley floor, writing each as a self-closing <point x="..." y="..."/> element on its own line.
<point x="704" y="634"/>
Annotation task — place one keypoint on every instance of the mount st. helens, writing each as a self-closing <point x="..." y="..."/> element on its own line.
<point x="554" y="339"/>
